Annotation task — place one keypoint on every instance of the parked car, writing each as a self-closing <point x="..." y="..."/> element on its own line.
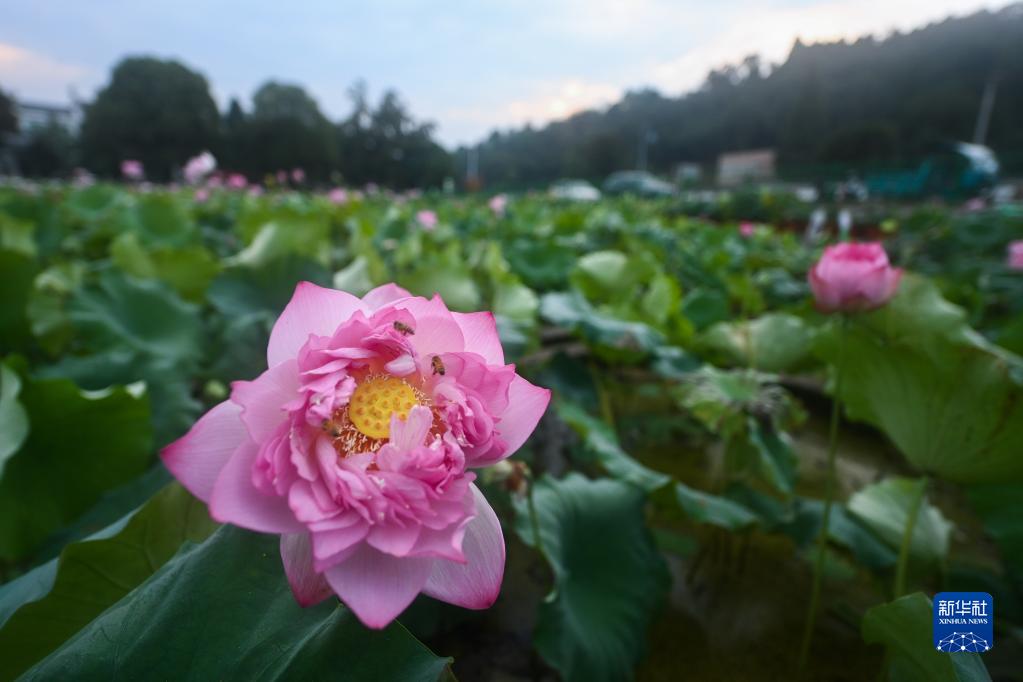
<point x="639" y="183"/>
<point x="574" y="190"/>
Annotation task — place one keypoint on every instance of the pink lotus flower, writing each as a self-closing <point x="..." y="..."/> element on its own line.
<point x="427" y="219"/>
<point x="338" y="196"/>
<point x="202" y="195"/>
<point x="498" y="204"/>
<point x="357" y="446"/>
<point x="1016" y="255"/>
<point x="853" y="277"/>
<point x="82" y="177"/>
<point x="237" y="181"/>
<point x="215" y="181"/>
<point x="256" y="191"/>
<point x="297" y="176"/>
<point x="282" y="177"/>
<point x="132" y="170"/>
<point x="199" y="167"/>
<point x="746" y="229"/>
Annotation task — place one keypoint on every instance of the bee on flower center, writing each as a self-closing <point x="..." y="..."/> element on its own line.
<point x="333" y="428"/>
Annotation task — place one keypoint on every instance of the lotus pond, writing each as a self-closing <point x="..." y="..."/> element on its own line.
<point x="665" y="519"/>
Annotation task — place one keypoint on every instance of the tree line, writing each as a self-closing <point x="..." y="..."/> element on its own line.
<point x="161" y="113"/>
<point x="829" y="108"/>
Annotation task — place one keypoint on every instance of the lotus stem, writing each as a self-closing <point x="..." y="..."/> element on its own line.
<point x="829" y="495"/>
<point x="902" y="567"/>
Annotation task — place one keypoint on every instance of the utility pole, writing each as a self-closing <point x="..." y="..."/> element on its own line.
<point x="647" y="137"/>
<point x="987" y="105"/>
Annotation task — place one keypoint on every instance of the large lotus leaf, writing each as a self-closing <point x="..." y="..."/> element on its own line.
<point x="355" y="278"/>
<point x="92" y="575"/>
<point x="600" y="443"/>
<point x="79" y="445"/>
<point x="161" y="219"/>
<point x="904" y="628"/>
<point x="885" y="507"/>
<point x="603" y="274"/>
<point x="997" y="505"/>
<point x="139" y="315"/>
<point x="703" y="507"/>
<point x="776" y="342"/>
<point x="453" y="282"/>
<point x="609" y="578"/>
<point x="189" y="269"/>
<point x="248" y="300"/>
<point x="616" y="337"/>
<point x="17" y="271"/>
<point x="13" y="419"/>
<point x="952" y="403"/>
<point x="301" y="235"/>
<point x="223" y="610"/>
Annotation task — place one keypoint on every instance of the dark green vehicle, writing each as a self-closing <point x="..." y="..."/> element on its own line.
<point x="957" y="170"/>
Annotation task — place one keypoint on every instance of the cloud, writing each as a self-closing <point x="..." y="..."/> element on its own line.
<point x="771" y="32"/>
<point x="547" y="101"/>
<point x="37" y="76"/>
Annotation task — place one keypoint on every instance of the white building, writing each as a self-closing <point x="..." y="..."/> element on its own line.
<point x="32" y="115"/>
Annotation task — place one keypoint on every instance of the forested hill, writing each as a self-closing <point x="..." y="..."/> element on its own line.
<point x="829" y="107"/>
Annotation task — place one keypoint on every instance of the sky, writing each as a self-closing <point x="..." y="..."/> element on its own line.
<point x="468" y="66"/>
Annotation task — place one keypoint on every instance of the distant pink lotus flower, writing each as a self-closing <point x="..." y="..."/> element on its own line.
<point x="498" y="204"/>
<point x="237" y="181"/>
<point x="282" y="177"/>
<point x="132" y="170"/>
<point x="338" y="196"/>
<point x="975" y="204"/>
<point x="201" y="196"/>
<point x="199" y="167"/>
<point x="297" y="176"/>
<point x="357" y="446"/>
<point x="747" y="229"/>
<point x="215" y="181"/>
<point x="81" y="177"/>
<point x="256" y="191"/>
<point x="372" y="189"/>
<point x="1016" y="255"/>
<point x="427" y="219"/>
<point x="853" y="277"/>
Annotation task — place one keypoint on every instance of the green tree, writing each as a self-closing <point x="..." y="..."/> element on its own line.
<point x="285" y="130"/>
<point x="8" y="119"/>
<point x="157" y="111"/>
<point x="388" y="146"/>
<point x="49" y="151"/>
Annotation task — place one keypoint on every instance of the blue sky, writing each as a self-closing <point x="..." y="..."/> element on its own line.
<point x="468" y="66"/>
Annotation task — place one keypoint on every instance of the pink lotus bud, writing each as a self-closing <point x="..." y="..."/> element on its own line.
<point x="199" y="167"/>
<point x="256" y="191"/>
<point x="1016" y="255"/>
<point x="202" y="195"/>
<point x="282" y="177"/>
<point x="427" y="219"/>
<point x="358" y="444"/>
<point x="746" y="229"/>
<point x="498" y="204"/>
<point x="132" y="170"/>
<point x="237" y="181"/>
<point x="297" y="176"/>
<point x="853" y="277"/>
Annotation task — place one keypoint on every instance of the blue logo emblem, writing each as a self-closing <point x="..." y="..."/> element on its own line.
<point x="964" y="621"/>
